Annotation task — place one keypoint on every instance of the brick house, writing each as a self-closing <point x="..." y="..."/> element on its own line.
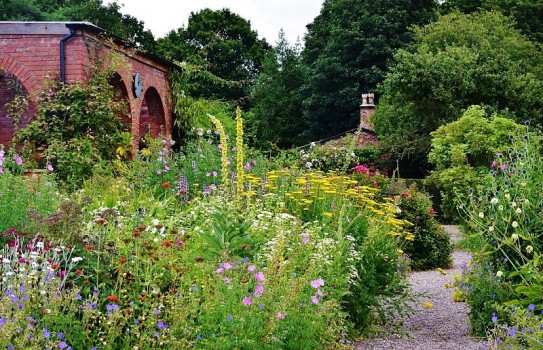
<point x="30" y="51"/>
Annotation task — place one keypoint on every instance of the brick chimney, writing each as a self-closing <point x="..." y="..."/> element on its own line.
<point x="367" y="108"/>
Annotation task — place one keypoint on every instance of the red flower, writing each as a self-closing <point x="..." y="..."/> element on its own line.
<point x="432" y="212"/>
<point x="55" y="266"/>
<point x="405" y="194"/>
<point x="79" y="272"/>
<point x="112" y="298"/>
<point x="142" y="297"/>
<point x="166" y="184"/>
<point x="167" y="244"/>
<point x="122" y="260"/>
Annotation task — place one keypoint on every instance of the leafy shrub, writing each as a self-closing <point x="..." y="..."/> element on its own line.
<point x="430" y="247"/>
<point x="462" y="152"/>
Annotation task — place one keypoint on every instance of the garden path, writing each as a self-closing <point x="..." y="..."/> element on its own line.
<point x="442" y="327"/>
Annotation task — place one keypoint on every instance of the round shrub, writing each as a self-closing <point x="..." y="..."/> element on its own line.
<point x="431" y="247"/>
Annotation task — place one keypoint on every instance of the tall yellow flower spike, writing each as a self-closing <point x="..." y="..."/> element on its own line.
<point x="239" y="152"/>
<point x="224" y="149"/>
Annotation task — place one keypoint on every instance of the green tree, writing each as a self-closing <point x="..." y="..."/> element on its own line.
<point x="277" y="103"/>
<point x="458" y="61"/>
<point x="347" y="49"/>
<point x="527" y="14"/>
<point x="225" y="44"/>
<point x="105" y="16"/>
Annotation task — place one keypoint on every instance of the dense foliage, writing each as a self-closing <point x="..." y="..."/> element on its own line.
<point x="458" y="61"/>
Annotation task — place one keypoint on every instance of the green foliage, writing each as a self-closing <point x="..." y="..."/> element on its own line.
<point x="346" y="51"/>
<point x="431" y="247"/>
<point x="458" y="61"/>
<point x="525" y="13"/>
<point x="225" y="44"/>
<point x="462" y="152"/>
<point x="79" y="127"/>
<point x="277" y="102"/>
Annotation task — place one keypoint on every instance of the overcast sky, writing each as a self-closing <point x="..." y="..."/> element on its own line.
<point x="267" y="17"/>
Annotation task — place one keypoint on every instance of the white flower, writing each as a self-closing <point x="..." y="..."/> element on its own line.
<point x="514" y="224"/>
<point x="481" y="215"/>
<point x="514" y="236"/>
<point x="500" y="208"/>
<point x="494" y="200"/>
<point x="499" y="274"/>
<point x="523" y="183"/>
<point x="77" y="259"/>
<point x="491" y="228"/>
<point x="308" y="165"/>
<point x="518" y="210"/>
<point x="155" y="222"/>
<point x="39" y="245"/>
<point x="529" y="249"/>
<point x="6" y="261"/>
<point x="513" y="204"/>
<point x="507" y="195"/>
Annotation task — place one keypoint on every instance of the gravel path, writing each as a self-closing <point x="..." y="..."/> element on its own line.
<point x="444" y="326"/>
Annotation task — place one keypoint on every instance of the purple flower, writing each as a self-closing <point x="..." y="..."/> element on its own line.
<point x="281" y="315"/>
<point x="531" y="307"/>
<point x="157" y="311"/>
<point x="60" y="335"/>
<point x="259" y="276"/>
<point x="49" y="168"/>
<point x="512" y="332"/>
<point x="251" y="268"/>
<point x="162" y="325"/>
<point x="247" y="167"/>
<point x="494" y="318"/>
<point x="227" y="266"/>
<point x="198" y="337"/>
<point x="503" y="166"/>
<point x="219" y="270"/>
<point x="261" y="306"/>
<point x="226" y="280"/>
<point x="317" y="283"/>
<point x="314" y="299"/>
<point x="18" y="160"/>
<point x="229" y="318"/>
<point x="46" y="333"/>
<point x="247" y="301"/>
<point x="305" y="237"/>
<point x="259" y="290"/>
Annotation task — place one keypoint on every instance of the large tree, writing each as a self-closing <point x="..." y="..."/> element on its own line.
<point x="458" y="61"/>
<point x="225" y="44"/>
<point x="277" y="104"/>
<point x="347" y="49"/>
<point x="528" y="14"/>
<point x="106" y="16"/>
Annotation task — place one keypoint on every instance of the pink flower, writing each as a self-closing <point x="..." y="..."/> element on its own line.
<point x="314" y="299"/>
<point x="251" y="268"/>
<point x="259" y="276"/>
<point x="219" y="270"/>
<point x="226" y="280"/>
<point x="18" y="160"/>
<point x="247" y="301"/>
<point x="281" y="315"/>
<point x="259" y="290"/>
<point x="493" y="164"/>
<point x="49" y="168"/>
<point x="317" y="283"/>
<point x="360" y="169"/>
<point x="305" y="237"/>
<point x="227" y="266"/>
<point x="319" y="293"/>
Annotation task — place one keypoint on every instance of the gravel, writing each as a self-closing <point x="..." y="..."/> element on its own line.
<point x="444" y="326"/>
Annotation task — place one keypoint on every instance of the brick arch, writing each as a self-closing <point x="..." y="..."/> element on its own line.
<point x="25" y="75"/>
<point x="119" y="84"/>
<point x="152" y="118"/>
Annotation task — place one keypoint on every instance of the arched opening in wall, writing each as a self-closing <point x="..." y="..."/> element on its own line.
<point x="16" y="108"/>
<point x="152" y="116"/>
<point x="121" y="95"/>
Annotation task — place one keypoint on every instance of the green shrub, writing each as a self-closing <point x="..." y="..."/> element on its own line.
<point x="431" y="247"/>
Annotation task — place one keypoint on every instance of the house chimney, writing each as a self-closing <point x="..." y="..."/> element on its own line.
<point x="367" y="108"/>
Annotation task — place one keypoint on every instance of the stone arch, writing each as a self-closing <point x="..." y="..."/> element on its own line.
<point x="152" y="115"/>
<point x="15" y="82"/>
<point x="121" y="94"/>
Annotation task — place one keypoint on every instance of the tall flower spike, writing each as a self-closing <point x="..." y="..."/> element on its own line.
<point x="239" y="152"/>
<point x="224" y="149"/>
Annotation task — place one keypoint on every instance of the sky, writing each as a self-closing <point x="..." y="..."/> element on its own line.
<point x="267" y="17"/>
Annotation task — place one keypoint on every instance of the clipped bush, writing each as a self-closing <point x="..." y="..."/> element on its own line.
<point x="431" y="247"/>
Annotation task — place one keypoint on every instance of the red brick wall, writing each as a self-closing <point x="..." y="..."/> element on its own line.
<point x="31" y="51"/>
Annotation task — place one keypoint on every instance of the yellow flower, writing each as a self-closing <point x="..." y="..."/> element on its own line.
<point x="441" y="271"/>
<point x="399" y="251"/>
<point x="327" y="214"/>
<point x="428" y="305"/>
<point x="529" y="249"/>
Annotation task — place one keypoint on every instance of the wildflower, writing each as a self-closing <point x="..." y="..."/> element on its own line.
<point x="317" y="283"/>
<point x="281" y="315"/>
<point x="491" y="228"/>
<point x="500" y="208"/>
<point x="226" y="280"/>
<point x="112" y="298"/>
<point x="360" y="169"/>
<point x="261" y="306"/>
<point x="499" y="274"/>
<point x="512" y="332"/>
<point x="494" y="200"/>
<point x="18" y="160"/>
<point x="259" y="276"/>
<point x="441" y="271"/>
<point x="432" y="212"/>
<point x="405" y="194"/>
<point x="258" y="290"/>
<point x="60" y="335"/>
<point x="514" y="236"/>
<point x="481" y="215"/>
<point x="247" y="301"/>
<point x="314" y="299"/>
<point x="166" y="184"/>
<point x="77" y="259"/>
<point x="428" y="305"/>
<point x="49" y="168"/>
<point x="198" y="337"/>
<point x="531" y="307"/>
<point x="515" y="225"/>
<point x="62" y="345"/>
<point x="229" y="318"/>
<point x="227" y="266"/>
<point x="219" y="270"/>
<point x="529" y="249"/>
<point x="518" y="211"/>
<point x="162" y="325"/>
<point x="305" y="237"/>
<point x="157" y="311"/>
<point x="494" y="318"/>
<point x="46" y="333"/>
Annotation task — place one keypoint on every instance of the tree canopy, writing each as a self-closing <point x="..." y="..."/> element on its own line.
<point x="458" y="61"/>
<point x="347" y="49"/>
<point x="225" y="44"/>
<point x="106" y="16"/>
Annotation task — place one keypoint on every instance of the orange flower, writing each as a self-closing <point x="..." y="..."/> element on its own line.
<point x="167" y="244"/>
<point x="79" y="272"/>
<point x="166" y="184"/>
<point x="122" y="260"/>
<point x="142" y="297"/>
<point x="55" y="266"/>
<point x="112" y="298"/>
